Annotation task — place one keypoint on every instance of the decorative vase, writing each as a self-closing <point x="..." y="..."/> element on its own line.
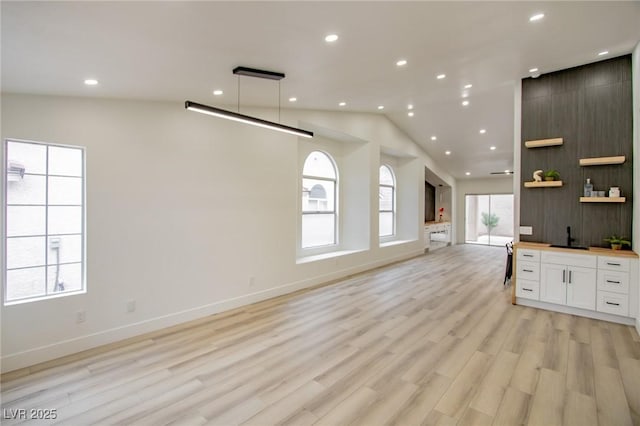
<point x="616" y="246"/>
<point x="548" y="178"/>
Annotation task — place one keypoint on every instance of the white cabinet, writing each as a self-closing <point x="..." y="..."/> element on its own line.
<point x="568" y="279"/>
<point x="553" y="286"/>
<point x="527" y="272"/>
<point x="437" y="234"/>
<point x="580" y="283"/>
<point x="581" y="287"/>
<point x="613" y="285"/>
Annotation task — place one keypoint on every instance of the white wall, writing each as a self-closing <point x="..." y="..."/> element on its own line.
<point x="636" y="156"/>
<point x="497" y="185"/>
<point x="182" y="210"/>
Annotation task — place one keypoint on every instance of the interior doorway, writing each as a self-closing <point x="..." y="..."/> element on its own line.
<point x="488" y="219"/>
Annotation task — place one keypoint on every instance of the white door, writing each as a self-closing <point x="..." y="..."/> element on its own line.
<point x="553" y="287"/>
<point x="581" y="287"/>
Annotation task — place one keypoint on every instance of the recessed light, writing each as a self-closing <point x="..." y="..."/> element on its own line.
<point x="409" y="106"/>
<point x="342" y="103"/>
<point x="331" y="38"/>
<point x="465" y="103"/>
<point x="465" y="94"/>
<point x="380" y="106"/>
<point x="91" y="82"/>
<point x="447" y="152"/>
<point x="441" y="76"/>
<point x="533" y="70"/>
<point x="493" y="148"/>
<point x="468" y="86"/>
<point x="410" y="113"/>
<point x="293" y="99"/>
<point x="467" y="173"/>
<point x="536" y="17"/>
<point x="604" y="52"/>
<point x="218" y="92"/>
<point x="483" y="131"/>
<point x="401" y="62"/>
<point x="433" y="138"/>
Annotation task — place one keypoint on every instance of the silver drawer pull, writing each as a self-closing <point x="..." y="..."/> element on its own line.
<point x="611" y="303"/>
<point x="527" y="270"/>
<point x="613" y="264"/>
<point x="613" y="282"/>
<point x="527" y="289"/>
<point x="527" y="255"/>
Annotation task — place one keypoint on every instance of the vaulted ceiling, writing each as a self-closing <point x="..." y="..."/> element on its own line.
<point x="185" y="50"/>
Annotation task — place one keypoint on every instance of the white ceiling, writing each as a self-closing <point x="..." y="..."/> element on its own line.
<point x="183" y="50"/>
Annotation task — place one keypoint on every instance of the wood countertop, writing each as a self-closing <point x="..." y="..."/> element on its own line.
<point x="600" y="251"/>
<point x="434" y="222"/>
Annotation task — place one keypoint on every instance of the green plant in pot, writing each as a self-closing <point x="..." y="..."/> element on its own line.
<point x="617" y="242"/>
<point x="551" y="175"/>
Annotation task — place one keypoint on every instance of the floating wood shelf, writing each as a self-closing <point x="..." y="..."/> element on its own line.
<point x="601" y="161"/>
<point x="543" y="142"/>
<point x="602" y="199"/>
<point x="543" y="184"/>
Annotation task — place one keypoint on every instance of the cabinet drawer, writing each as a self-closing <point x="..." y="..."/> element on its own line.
<point x="617" y="282"/>
<point x="528" y="270"/>
<point x="613" y="263"/>
<point x="613" y="303"/>
<point x="570" y="259"/>
<point x="527" y="289"/>
<point x="528" y="255"/>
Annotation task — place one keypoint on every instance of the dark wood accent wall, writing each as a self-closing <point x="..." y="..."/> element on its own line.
<point x="590" y="107"/>
<point x="429" y="202"/>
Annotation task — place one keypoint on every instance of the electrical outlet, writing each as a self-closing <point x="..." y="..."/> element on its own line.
<point x="131" y="306"/>
<point x="526" y="230"/>
<point x="81" y="316"/>
<point x="252" y="281"/>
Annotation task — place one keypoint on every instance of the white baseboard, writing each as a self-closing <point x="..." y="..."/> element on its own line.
<point x="50" y="352"/>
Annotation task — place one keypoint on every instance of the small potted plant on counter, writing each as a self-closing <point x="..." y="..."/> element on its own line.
<point x="551" y="175"/>
<point x="617" y="242"/>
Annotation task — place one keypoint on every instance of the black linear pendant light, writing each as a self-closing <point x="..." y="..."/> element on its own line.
<point x="247" y="119"/>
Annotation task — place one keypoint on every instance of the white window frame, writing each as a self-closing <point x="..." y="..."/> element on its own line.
<point x="83" y="229"/>
<point x="335" y="201"/>
<point x="393" y="202"/>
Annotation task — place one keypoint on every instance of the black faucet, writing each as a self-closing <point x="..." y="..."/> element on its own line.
<point x="569" y="239"/>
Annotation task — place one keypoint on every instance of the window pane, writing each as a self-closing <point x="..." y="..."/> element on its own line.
<point x="32" y="156"/>
<point x="65" y="190"/>
<point x="386" y="224"/>
<point x="28" y="190"/>
<point x="319" y="164"/>
<point x="65" y="161"/>
<point x="318" y="230"/>
<point x="65" y="220"/>
<point x="386" y="198"/>
<point x="24" y="252"/>
<point x="22" y="283"/>
<point x="25" y="220"/>
<point x="318" y="195"/>
<point x="69" y="278"/>
<point x="386" y="176"/>
<point x="69" y="247"/>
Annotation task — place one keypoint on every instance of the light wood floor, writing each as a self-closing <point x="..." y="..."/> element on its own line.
<point x="433" y="340"/>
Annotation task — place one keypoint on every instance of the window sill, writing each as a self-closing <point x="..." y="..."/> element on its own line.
<point x="396" y="243"/>
<point x="323" y="256"/>
<point x="43" y="298"/>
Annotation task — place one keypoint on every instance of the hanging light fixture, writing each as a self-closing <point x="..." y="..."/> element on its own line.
<point x="247" y="119"/>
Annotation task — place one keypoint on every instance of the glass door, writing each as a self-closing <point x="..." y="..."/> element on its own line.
<point x="488" y="219"/>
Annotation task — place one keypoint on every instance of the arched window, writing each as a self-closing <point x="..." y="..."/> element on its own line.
<point x="319" y="191"/>
<point x="387" y="205"/>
